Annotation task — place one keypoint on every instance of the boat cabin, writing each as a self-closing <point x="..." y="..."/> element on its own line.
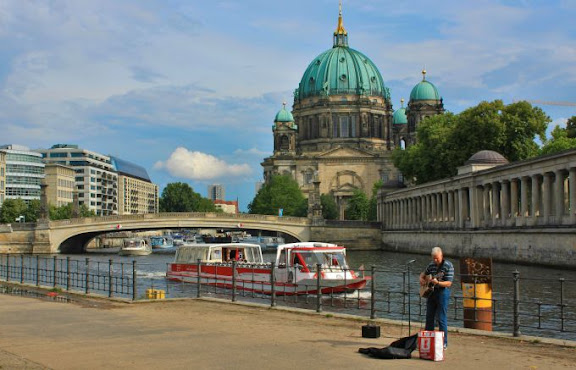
<point x="219" y="253"/>
<point x="305" y="256"/>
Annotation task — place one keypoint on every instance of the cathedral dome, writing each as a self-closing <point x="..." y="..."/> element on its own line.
<point x="342" y="70"/>
<point x="399" y="117"/>
<point x="283" y="115"/>
<point x="425" y="90"/>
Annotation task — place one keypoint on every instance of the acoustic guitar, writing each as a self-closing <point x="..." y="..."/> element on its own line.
<point x="427" y="288"/>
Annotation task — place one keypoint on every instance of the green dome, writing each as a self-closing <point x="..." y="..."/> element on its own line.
<point x="342" y="70"/>
<point x="425" y="90"/>
<point x="399" y="117"/>
<point x="283" y="115"/>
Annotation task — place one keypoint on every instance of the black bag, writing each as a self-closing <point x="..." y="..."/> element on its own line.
<point x="400" y="349"/>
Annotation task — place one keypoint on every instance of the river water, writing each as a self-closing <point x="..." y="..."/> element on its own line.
<point x="547" y="308"/>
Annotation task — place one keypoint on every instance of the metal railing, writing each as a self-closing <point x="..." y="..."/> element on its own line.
<point x="389" y="293"/>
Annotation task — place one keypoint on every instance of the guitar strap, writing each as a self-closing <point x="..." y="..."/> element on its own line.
<point x="439" y="269"/>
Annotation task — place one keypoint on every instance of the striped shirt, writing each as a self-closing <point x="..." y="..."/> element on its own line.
<point x="446" y="273"/>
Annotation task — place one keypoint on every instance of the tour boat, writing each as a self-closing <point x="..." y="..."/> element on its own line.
<point x="135" y="247"/>
<point x="295" y="269"/>
<point x="161" y="242"/>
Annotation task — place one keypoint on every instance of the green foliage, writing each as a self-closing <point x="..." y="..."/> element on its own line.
<point x="180" y="197"/>
<point x="13" y="208"/>
<point x="445" y="142"/>
<point x="329" y="207"/>
<point x="373" y="206"/>
<point x="571" y="127"/>
<point x="282" y="191"/>
<point x="65" y="212"/>
<point x="560" y="141"/>
<point x="358" y="206"/>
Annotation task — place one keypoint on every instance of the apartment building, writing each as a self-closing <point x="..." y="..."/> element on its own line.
<point x="2" y="177"/>
<point x="60" y="181"/>
<point x="23" y="172"/>
<point x="136" y="192"/>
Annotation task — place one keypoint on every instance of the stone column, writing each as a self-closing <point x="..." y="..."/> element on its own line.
<point x="434" y="213"/>
<point x="572" y="180"/>
<point x="475" y="193"/>
<point x="505" y="202"/>
<point x="514" y="198"/>
<point x="524" y="198"/>
<point x="486" y="205"/>
<point x="462" y="207"/>
<point x="535" y="211"/>
<point x="450" y="206"/>
<point x="559" y="195"/>
<point x="496" y="214"/>
<point x="546" y="199"/>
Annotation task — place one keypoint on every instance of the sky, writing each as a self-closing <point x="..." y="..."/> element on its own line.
<point x="188" y="89"/>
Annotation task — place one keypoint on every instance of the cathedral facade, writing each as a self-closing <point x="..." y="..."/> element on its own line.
<point x="342" y="128"/>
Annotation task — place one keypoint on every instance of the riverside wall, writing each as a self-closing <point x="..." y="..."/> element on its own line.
<point x="353" y="238"/>
<point x="551" y="247"/>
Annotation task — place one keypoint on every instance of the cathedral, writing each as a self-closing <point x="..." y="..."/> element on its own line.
<point x="342" y="129"/>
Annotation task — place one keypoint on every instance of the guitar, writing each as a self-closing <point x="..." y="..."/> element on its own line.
<point x="428" y="287"/>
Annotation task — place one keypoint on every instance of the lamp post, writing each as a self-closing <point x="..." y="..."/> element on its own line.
<point x="409" y="313"/>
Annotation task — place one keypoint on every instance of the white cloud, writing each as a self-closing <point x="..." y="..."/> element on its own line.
<point x="252" y="151"/>
<point x="200" y="166"/>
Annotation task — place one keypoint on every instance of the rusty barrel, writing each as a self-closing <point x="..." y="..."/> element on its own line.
<point x="476" y="277"/>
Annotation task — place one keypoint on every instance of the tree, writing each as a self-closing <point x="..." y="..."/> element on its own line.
<point x="329" y="207"/>
<point x="358" y="206"/>
<point x="571" y="127"/>
<point x="64" y="212"/>
<point x="560" y="141"/>
<point x="373" y="207"/>
<point x="281" y="192"/>
<point x="180" y="197"/>
<point x="445" y="142"/>
<point x="12" y="209"/>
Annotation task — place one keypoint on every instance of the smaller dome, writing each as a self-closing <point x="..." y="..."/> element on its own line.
<point x="487" y="157"/>
<point x="393" y="184"/>
<point x="425" y="90"/>
<point x="399" y="117"/>
<point x="283" y="115"/>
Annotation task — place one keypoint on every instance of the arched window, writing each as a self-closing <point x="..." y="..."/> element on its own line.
<point x="284" y="143"/>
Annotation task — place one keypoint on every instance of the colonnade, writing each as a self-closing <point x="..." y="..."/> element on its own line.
<point x="515" y="196"/>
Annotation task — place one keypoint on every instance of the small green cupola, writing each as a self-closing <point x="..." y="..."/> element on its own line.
<point x="283" y="115"/>
<point x="399" y="117"/>
<point x="425" y="90"/>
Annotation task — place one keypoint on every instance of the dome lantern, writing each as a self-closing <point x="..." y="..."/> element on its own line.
<point x="340" y="35"/>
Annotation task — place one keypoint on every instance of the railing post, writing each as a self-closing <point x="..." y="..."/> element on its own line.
<point x="516" y="323"/>
<point x="318" y="288"/>
<point x="54" y="271"/>
<point x="7" y="267"/>
<point x="373" y="292"/>
<point x="272" y="284"/>
<point x="37" y="270"/>
<point x="22" y="269"/>
<point x="110" y="278"/>
<point x="199" y="278"/>
<point x="134" y="281"/>
<point x="562" y="304"/>
<point x="87" y="276"/>
<point x="403" y="292"/>
<point x="67" y="273"/>
<point x="233" y="281"/>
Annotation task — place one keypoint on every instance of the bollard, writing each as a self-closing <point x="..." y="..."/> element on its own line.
<point x="233" y="280"/>
<point x="198" y="277"/>
<point x="272" y="284"/>
<point x="516" y="304"/>
<point x="373" y="292"/>
<point x="134" y="281"/>
<point x="318" y="288"/>
<point x="110" y="278"/>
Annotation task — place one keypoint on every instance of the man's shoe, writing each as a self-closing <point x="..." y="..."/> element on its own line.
<point x="445" y="347"/>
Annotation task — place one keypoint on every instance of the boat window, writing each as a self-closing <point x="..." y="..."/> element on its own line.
<point x="216" y="254"/>
<point x="191" y="255"/>
<point x="326" y="259"/>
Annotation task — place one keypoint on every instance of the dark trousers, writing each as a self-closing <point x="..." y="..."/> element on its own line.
<point x="437" y="309"/>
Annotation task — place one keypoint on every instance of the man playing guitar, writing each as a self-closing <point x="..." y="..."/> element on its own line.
<point x="442" y="272"/>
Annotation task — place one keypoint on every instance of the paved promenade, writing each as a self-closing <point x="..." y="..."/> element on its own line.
<point x="201" y="334"/>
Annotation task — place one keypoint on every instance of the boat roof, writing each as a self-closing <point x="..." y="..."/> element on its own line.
<point x="309" y="246"/>
<point x="222" y="245"/>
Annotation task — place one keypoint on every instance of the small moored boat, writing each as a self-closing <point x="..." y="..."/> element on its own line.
<point x="161" y="242"/>
<point x="295" y="270"/>
<point x="135" y="247"/>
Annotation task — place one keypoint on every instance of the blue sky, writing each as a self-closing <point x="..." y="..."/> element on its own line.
<point x="189" y="88"/>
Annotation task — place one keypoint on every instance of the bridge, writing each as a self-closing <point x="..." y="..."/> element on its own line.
<point x="71" y="236"/>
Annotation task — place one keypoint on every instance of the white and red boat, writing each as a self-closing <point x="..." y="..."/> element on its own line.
<point x="295" y="269"/>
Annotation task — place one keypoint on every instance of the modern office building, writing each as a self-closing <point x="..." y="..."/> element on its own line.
<point x="23" y="174"/>
<point x="60" y="181"/>
<point x="136" y="192"/>
<point x="95" y="179"/>
<point x="216" y="191"/>
<point x="2" y="177"/>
